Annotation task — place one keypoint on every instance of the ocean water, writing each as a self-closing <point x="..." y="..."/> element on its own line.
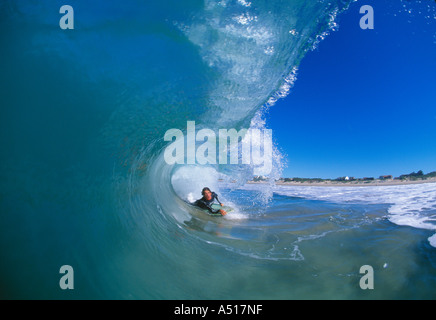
<point x="84" y="182"/>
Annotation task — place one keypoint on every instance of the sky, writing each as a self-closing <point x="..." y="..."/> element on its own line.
<point x="364" y="103"/>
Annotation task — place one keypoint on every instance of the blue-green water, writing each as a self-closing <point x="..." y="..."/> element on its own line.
<point x="84" y="183"/>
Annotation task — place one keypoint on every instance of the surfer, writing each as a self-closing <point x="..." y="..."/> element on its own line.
<point x="206" y="202"/>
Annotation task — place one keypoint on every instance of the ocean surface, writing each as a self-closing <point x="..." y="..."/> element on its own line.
<point x="84" y="183"/>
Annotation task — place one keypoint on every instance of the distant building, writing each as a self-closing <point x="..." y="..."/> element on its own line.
<point x="368" y="178"/>
<point x="388" y="177"/>
<point x="342" y="179"/>
<point x="259" y="178"/>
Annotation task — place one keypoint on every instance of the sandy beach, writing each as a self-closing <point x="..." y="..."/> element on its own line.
<point x="369" y="183"/>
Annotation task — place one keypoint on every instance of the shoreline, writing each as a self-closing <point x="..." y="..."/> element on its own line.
<point x="370" y="183"/>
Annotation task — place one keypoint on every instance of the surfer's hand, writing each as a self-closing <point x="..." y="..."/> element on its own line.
<point x="222" y="205"/>
<point x="223" y="213"/>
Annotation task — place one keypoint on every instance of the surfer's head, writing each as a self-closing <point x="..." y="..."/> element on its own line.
<point x="207" y="194"/>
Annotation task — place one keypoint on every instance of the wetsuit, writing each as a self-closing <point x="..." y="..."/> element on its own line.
<point x="207" y="204"/>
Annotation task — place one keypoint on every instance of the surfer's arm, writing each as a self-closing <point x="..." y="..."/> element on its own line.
<point x="204" y="205"/>
<point x="212" y="210"/>
<point x="216" y="197"/>
<point x="218" y="211"/>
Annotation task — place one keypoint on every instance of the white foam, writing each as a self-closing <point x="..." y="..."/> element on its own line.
<point x="244" y="18"/>
<point x="411" y="205"/>
<point x="236" y="215"/>
<point x="244" y="3"/>
<point x="432" y="240"/>
<point x="188" y="181"/>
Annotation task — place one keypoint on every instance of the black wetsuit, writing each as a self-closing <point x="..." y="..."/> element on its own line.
<point x="207" y="204"/>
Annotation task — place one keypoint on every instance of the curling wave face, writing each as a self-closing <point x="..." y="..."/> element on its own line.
<point x="85" y="181"/>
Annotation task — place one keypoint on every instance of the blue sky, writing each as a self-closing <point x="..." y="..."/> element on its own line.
<point x="364" y="104"/>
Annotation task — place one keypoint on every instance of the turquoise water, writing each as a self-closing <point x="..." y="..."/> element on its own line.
<point x="84" y="183"/>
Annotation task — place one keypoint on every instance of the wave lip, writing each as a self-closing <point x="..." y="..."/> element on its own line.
<point x="254" y="48"/>
<point x="136" y="72"/>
